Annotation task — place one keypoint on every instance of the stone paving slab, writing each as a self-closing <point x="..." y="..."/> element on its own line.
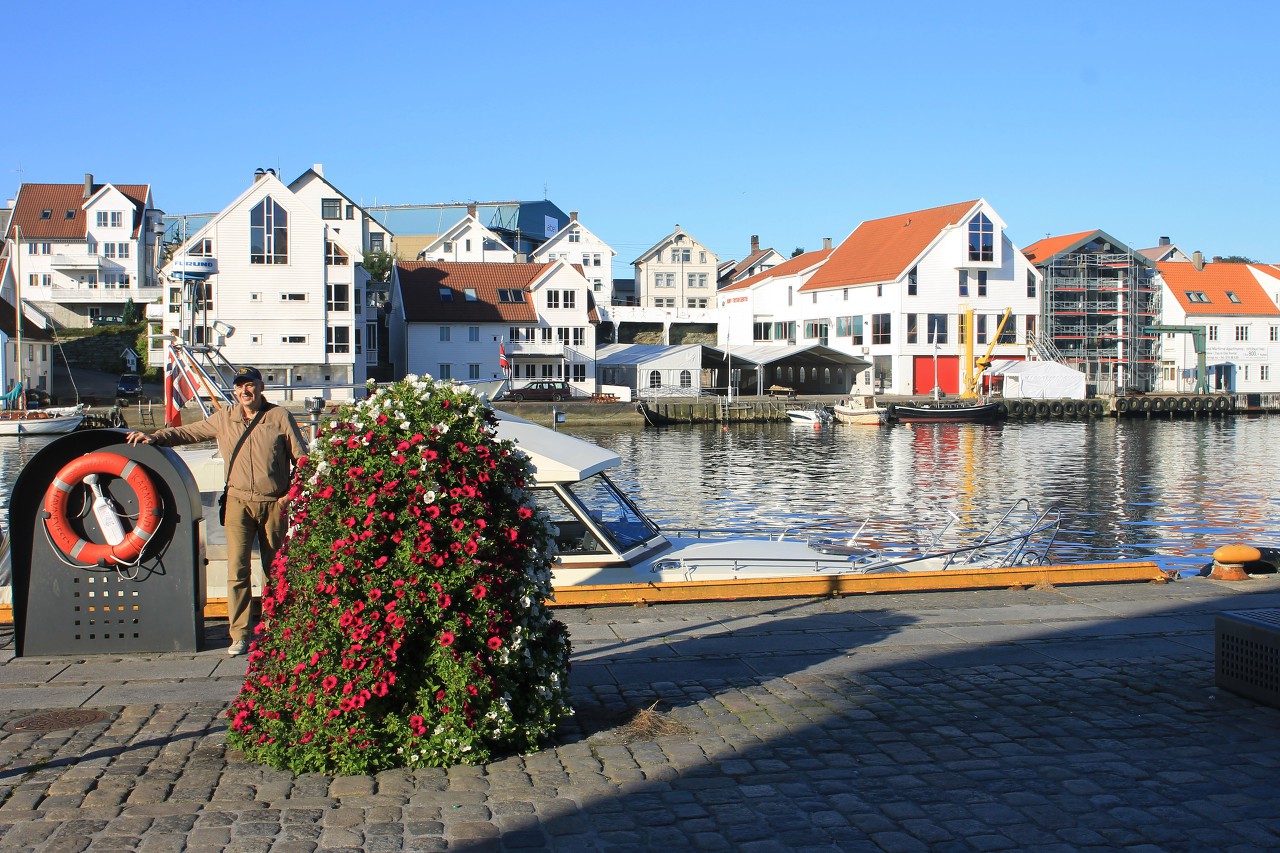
<point x="1105" y="739"/>
<point x="90" y="670"/>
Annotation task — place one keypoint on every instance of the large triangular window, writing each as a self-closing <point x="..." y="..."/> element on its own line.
<point x="982" y="239"/>
<point x="268" y="233"/>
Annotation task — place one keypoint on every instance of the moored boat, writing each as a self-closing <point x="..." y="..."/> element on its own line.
<point x="939" y="412"/>
<point x="815" y="415"/>
<point x="41" y="421"/>
<point x="858" y="410"/>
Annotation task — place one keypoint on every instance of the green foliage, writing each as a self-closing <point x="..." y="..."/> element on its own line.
<point x="378" y="264"/>
<point x="797" y="252"/>
<point x="1235" y="259"/>
<point x="130" y="315"/>
<point x="405" y="621"/>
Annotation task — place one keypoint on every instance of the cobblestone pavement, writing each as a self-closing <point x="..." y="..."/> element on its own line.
<point x="1082" y="718"/>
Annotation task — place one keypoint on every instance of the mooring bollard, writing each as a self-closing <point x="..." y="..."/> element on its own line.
<point x="1229" y="562"/>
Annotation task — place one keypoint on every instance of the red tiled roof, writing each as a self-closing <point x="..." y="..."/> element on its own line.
<point x="1042" y="250"/>
<point x="422" y="281"/>
<point x="881" y="249"/>
<point x="789" y="267"/>
<point x="1215" y="281"/>
<point x="58" y="199"/>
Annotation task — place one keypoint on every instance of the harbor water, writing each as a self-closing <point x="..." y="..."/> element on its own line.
<point x="1169" y="491"/>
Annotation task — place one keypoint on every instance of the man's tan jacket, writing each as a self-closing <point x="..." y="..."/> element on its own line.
<point x="265" y="463"/>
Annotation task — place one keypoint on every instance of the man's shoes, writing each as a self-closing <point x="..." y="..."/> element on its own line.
<point x="237" y="648"/>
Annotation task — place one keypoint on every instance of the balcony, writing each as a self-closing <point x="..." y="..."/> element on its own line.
<point x="76" y="262"/>
<point x="553" y="349"/>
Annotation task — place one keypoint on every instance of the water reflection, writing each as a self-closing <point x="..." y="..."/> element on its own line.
<point x="1170" y="491"/>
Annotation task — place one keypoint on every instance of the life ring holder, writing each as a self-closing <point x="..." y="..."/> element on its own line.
<point x="77" y="550"/>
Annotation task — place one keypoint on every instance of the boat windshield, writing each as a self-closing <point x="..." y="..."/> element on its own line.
<point x="597" y="498"/>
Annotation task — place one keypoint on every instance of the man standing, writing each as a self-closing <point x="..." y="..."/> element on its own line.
<point x="257" y="484"/>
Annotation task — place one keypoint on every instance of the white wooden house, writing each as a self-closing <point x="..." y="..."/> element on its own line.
<point x="677" y="272"/>
<point x="452" y="320"/>
<point x="1236" y="307"/>
<point x="285" y="279"/>
<point x="576" y="244"/>
<point x="88" y="249"/>
<point x="898" y="292"/>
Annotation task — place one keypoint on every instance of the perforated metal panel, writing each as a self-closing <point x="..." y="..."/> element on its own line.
<point x="1247" y="654"/>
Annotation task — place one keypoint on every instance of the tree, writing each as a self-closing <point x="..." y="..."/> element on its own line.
<point x="799" y="250"/>
<point x="378" y="264"/>
<point x="130" y="315"/>
<point x="1236" y="259"/>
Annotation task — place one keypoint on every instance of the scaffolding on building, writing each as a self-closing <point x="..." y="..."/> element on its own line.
<point x="1097" y="300"/>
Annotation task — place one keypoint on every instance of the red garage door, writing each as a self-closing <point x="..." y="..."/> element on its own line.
<point x="948" y="374"/>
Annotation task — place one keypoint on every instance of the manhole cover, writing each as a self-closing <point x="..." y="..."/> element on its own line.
<point x="53" y="721"/>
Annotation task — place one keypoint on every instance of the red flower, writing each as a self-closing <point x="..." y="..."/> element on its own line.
<point x="444" y="600"/>
<point x="495" y="643"/>
<point x="329" y="683"/>
<point x="446" y="639"/>
<point x="479" y="591"/>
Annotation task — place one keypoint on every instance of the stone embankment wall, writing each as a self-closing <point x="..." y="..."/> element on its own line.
<point x="99" y="352"/>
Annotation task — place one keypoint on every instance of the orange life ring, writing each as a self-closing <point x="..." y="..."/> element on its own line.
<point x="72" y="544"/>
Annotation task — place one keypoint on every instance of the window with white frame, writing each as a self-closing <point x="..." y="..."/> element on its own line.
<point x="337" y="297"/>
<point x="981" y="238"/>
<point x="293" y="339"/>
<point x="201" y="249"/>
<point x="473" y="334"/>
<point x="268" y="233"/>
<point x="1242" y="333"/>
<point x="1275" y="333"/>
<point x="446" y="332"/>
<point x="473" y="370"/>
<point x="697" y="279"/>
<point x="334" y="256"/>
<point x="117" y="219"/>
<point x="574" y="236"/>
<point x="553" y="299"/>
<point x="445" y="371"/>
<point x="1213" y="333"/>
<point x="579" y="336"/>
<point x="570" y="299"/>
<point x="579" y="373"/>
<point x="293" y="297"/>
<point x="337" y="339"/>
<point x="696" y="302"/>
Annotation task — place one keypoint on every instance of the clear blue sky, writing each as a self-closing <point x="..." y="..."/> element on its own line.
<point x="793" y="121"/>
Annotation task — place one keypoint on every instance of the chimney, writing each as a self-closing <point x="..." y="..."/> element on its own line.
<point x="258" y="174"/>
<point x="755" y="243"/>
<point x="88" y="184"/>
<point x="1164" y="241"/>
<point x="826" y="242"/>
<point x="318" y="168"/>
<point x="1197" y="260"/>
<point x="573" y="216"/>
<point x="471" y="210"/>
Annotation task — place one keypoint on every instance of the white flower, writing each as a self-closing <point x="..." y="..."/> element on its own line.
<point x="429" y="497"/>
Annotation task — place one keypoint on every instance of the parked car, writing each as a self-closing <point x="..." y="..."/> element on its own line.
<point x="129" y="387"/>
<point x="542" y="389"/>
<point x="38" y="398"/>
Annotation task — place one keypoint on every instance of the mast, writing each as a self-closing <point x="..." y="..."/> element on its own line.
<point x="17" y="314"/>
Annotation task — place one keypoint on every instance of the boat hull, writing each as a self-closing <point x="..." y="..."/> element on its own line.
<point x="865" y="417"/>
<point x="39" y="426"/>
<point x="983" y="413"/>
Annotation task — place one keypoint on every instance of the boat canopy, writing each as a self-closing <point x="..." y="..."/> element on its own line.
<point x="556" y="457"/>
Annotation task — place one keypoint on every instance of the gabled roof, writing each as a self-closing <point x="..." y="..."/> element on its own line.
<point x="312" y="173"/>
<point x="421" y="283"/>
<point x="1043" y="251"/>
<point x="798" y="264"/>
<point x="883" y="249"/>
<point x="560" y="235"/>
<point x="1215" y="281"/>
<point x="462" y="226"/>
<point x="667" y="240"/>
<point x="29" y="332"/>
<point x="61" y="199"/>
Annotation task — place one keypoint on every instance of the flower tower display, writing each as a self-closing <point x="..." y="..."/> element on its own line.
<point x="404" y="621"/>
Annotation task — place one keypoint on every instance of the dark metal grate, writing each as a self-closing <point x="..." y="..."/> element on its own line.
<point x="1247" y="654"/>
<point x="52" y="721"/>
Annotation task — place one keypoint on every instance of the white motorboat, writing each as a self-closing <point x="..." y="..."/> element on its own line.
<point x="41" y="421"/>
<point x="858" y="410"/>
<point x="815" y="415"/>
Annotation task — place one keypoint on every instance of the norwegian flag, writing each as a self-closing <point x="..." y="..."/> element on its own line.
<point x="179" y="387"/>
<point x="502" y="357"/>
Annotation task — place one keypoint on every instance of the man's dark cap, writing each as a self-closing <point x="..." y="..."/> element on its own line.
<point x="247" y="374"/>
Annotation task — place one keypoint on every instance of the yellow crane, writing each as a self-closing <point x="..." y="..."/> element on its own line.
<point x="972" y="379"/>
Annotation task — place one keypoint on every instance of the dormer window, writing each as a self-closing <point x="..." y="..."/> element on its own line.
<point x="46" y="214"/>
<point x="1197" y="296"/>
<point x="70" y="215"/>
<point x="1231" y="296"/>
<point x="982" y="238"/>
<point x="509" y="295"/>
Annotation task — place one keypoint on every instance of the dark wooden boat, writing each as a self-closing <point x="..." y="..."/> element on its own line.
<point x="936" y="412"/>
